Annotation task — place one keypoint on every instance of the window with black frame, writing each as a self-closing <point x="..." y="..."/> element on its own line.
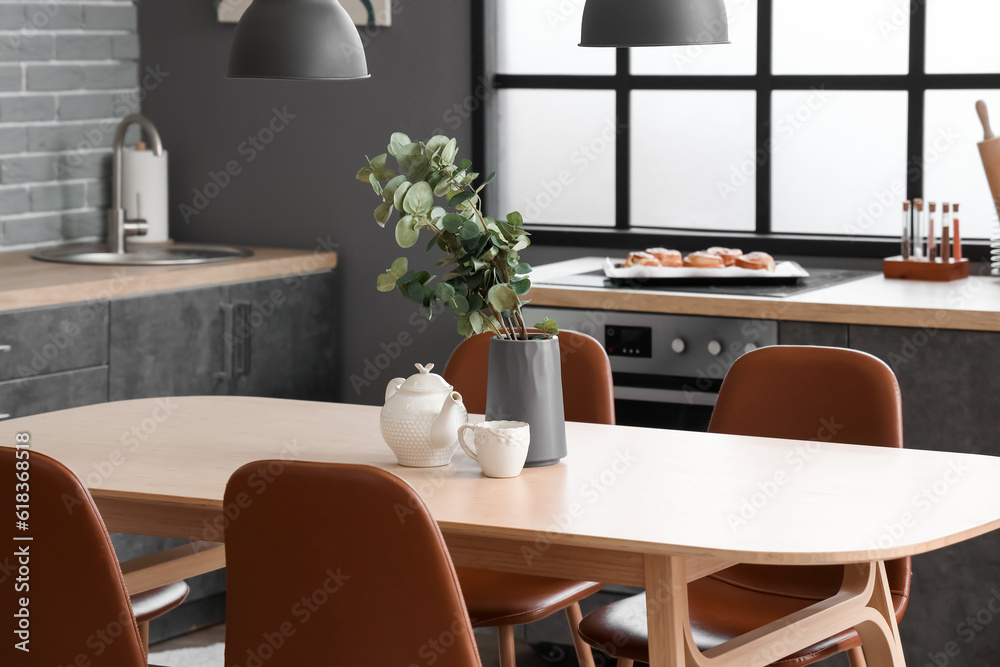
<point x="814" y="124"/>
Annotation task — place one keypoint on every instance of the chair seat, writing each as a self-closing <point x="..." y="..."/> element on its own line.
<point x="719" y="611"/>
<point x="501" y="598"/>
<point x="153" y="604"/>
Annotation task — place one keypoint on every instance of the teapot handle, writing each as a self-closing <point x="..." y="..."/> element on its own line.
<point x="394" y="385"/>
<point x="465" y="446"/>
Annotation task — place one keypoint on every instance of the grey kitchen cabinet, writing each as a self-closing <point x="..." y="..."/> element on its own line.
<point x="169" y="344"/>
<point x="55" y="391"/>
<point x="284" y="338"/>
<point x="813" y="333"/>
<point x="950" y="384"/>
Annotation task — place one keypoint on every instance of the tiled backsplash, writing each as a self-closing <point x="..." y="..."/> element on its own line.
<point x="68" y="71"/>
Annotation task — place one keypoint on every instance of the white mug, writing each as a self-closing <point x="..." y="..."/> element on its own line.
<point x="501" y="446"/>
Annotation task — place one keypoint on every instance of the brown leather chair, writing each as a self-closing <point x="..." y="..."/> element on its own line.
<point x="339" y="565"/>
<point x="79" y="610"/>
<point x="501" y="600"/>
<point x="802" y="393"/>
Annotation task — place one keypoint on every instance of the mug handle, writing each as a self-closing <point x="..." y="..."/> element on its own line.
<point x="461" y="441"/>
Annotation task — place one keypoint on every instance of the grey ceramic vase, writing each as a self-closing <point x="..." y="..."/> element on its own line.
<point x="525" y="384"/>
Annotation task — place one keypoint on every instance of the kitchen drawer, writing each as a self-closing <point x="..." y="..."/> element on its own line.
<point x="52" y="340"/>
<point x="57" y="391"/>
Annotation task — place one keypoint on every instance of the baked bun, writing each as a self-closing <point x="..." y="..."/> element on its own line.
<point x="703" y="260"/>
<point x="666" y="257"/>
<point x="728" y="255"/>
<point x="756" y="261"/>
<point x="641" y="259"/>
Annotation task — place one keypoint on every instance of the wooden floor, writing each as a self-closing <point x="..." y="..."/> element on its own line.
<point x="487" y="648"/>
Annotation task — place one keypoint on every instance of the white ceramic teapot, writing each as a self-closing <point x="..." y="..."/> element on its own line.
<point x="421" y="417"/>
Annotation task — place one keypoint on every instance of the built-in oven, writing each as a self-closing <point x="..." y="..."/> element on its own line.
<point x="667" y="369"/>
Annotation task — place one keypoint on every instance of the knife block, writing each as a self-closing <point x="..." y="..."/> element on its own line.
<point x="925" y="269"/>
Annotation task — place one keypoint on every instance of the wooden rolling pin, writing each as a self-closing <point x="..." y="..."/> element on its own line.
<point x="989" y="149"/>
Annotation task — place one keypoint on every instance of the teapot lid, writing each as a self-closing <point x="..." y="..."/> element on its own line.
<point x="425" y="381"/>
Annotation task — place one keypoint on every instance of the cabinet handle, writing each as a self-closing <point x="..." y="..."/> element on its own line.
<point x="2" y="417"/>
<point x="226" y="374"/>
<point x="5" y="348"/>
<point x="242" y="336"/>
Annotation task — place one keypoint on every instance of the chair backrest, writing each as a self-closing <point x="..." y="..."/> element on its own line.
<point x="340" y="565"/>
<point x="811" y="393"/>
<point x="79" y="610"/>
<point x="588" y="392"/>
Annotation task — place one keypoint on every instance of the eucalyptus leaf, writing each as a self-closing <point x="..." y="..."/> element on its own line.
<point x="397" y="142"/>
<point x="503" y="297"/>
<point x="464" y="166"/>
<point x="522" y="268"/>
<point x="419" y="199"/>
<point x="478" y="322"/>
<point x="382" y="213"/>
<point x="378" y="162"/>
<point x="376" y="186"/>
<point x="469" y="230"/>
<point x="399" y="267"/>
<point x="406" y="232"/>
<point x="386" y="282"/>
<point x="400" y="194"/>
<point x="450" y="151"/>
<point x="364" y="174"/>
<point x="389" y="191"/>
<point x="549" y="326"/>
<point x="415" y="291"/>
<point x="515" y="219"/>
<point x="464" y="326"/>
<point x="521" y="286"/>
<point x="461" y="198"/>
<point x="437" y="142"/>
<point x="488" y="180"/>
<point x="452" y="223"/>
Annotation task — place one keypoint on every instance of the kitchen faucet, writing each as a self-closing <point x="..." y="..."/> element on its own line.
<point x="118" y="226"/>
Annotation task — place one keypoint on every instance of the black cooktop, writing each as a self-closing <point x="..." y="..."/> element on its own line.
<point x="818" y="279"/>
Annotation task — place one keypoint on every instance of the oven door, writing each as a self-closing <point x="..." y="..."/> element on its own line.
<point x="667" y="369"/>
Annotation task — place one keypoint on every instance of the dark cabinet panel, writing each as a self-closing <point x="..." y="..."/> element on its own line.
<point x="169" y="344"/>
<point x="284" y="338"/>
<point x="950" y="382"/>
<point x="58" y="391"/>
<point x="813" y="333"/>
<point x="51" y="340"/>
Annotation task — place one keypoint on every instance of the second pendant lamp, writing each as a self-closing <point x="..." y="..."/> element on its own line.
<point x="618" y="23"/>
<point x="297" y="39"/>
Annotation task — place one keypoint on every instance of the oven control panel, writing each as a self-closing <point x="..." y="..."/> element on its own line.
<point x="683" y="346"/>
<point x="622" y="341"/>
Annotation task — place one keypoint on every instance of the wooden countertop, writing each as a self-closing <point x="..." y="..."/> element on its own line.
<point x="972" y="304"/>
<point x="29" y="283"/>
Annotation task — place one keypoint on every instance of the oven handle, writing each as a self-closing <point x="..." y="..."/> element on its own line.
<point x="666" y="396"/>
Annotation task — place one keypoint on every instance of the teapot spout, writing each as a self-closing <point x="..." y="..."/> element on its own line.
<point x="444" y="430"/>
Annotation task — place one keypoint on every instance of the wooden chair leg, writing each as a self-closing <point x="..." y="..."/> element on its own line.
<point x="625" y="662"/>
<point x="583" y="653"/>
<point x="857" y="657"/>
<point x="507" y="650"/>
<point x="144" y="637"/>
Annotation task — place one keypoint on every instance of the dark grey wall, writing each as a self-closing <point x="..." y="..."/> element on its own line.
<point x="299" y="190"/>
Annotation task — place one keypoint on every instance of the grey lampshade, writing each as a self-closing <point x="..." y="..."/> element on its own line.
<point x="297" y="39"/>
<point x="654" y="23"/>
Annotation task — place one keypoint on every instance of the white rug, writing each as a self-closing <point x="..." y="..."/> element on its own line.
<point x="204" y="656"/>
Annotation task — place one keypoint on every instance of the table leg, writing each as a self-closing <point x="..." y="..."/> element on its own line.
<point x="666" y="610"/>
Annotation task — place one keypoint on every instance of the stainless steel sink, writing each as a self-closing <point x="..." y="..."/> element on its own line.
<point x="139" y="256"/>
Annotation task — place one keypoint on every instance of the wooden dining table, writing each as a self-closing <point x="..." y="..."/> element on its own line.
<point x="631" y="506"/>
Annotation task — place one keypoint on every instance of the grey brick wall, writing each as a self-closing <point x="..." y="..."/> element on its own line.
<point x="68" y="72"/>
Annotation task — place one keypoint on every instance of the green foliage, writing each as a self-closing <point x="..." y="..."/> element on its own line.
<point x="484" y="277"/>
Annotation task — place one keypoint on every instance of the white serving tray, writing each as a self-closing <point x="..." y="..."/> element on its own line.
<point x="783" y="272"/>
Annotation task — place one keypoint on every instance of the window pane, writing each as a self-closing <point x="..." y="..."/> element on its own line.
<point x="693" y="159"/>
<point x="556" y="155"/>
<point x="962" y="36"/>
<point x="953" y="169"/>
<point x="740" y="57"/>
<point x="843" y="37"/>
<point x="839" y="162"/>
<point x="543" y="37"/>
